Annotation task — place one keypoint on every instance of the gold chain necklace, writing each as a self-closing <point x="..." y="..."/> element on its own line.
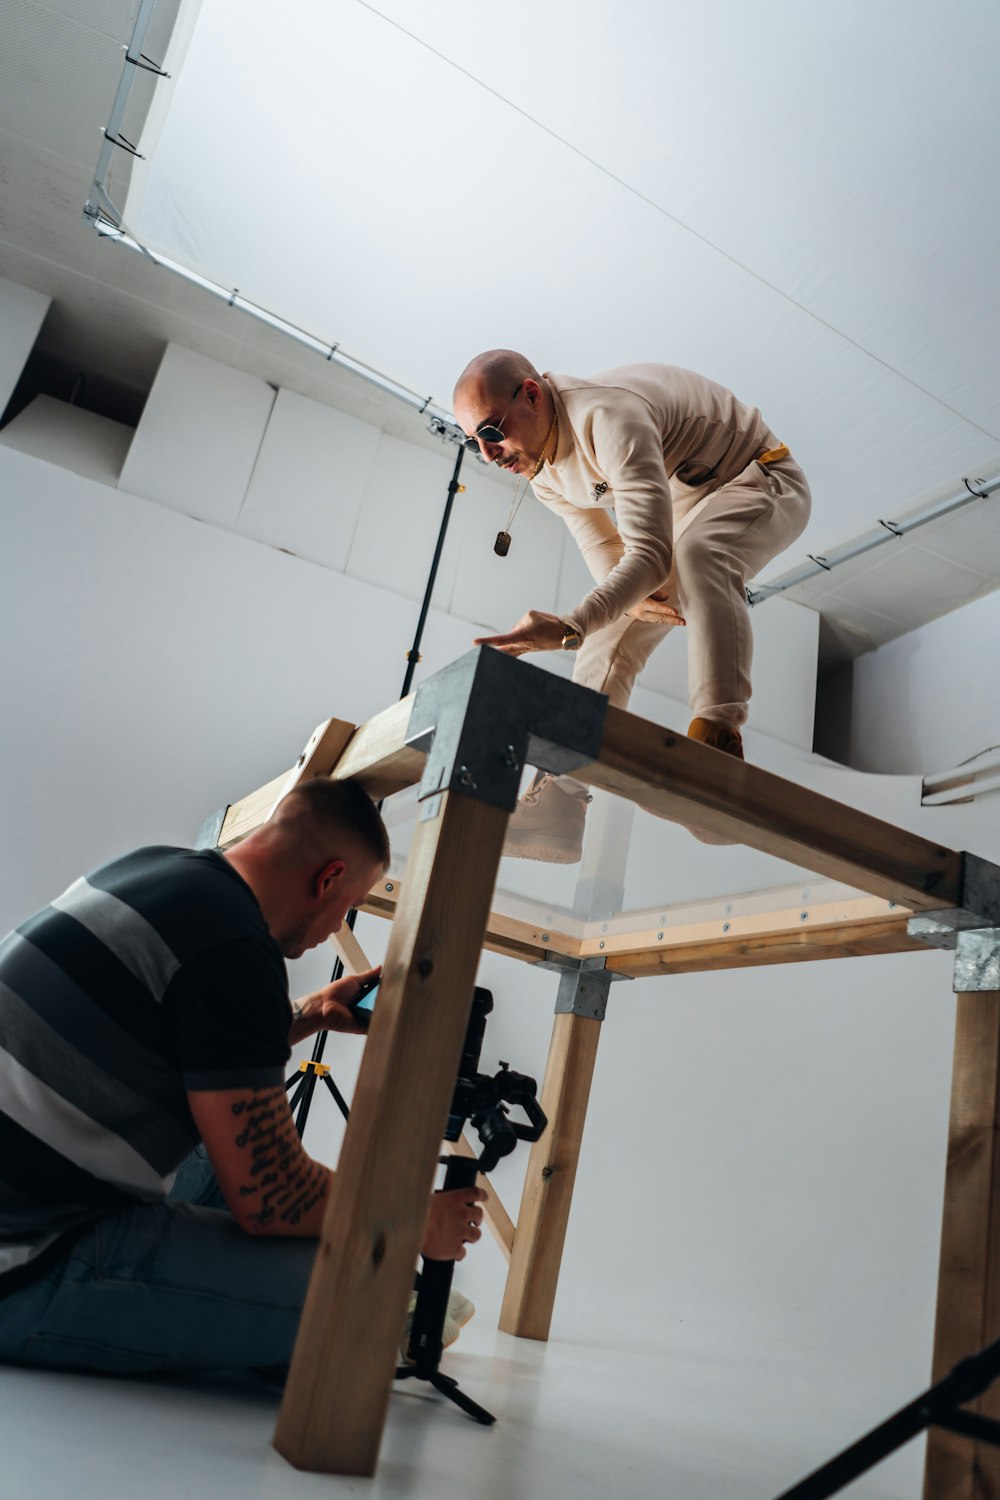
<point x="502" y="544"/>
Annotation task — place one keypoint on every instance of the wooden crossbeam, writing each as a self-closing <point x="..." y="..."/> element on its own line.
<point x="790" y="946"/>
<point x="378" y="755"/>
<point x="509" y="936"/>
<point x="374" y="753"/>
<point x="251" y="811"/>
<point x="687" y="782"/>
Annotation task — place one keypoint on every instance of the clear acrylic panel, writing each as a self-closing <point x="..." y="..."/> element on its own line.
<point x="645" y="881"/>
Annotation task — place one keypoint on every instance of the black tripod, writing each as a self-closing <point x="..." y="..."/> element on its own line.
<point x="937" y="1407"/>
<point x="304" y="1081"/>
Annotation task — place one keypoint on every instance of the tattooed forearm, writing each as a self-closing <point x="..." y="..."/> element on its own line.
<point x="288" y="1184"/>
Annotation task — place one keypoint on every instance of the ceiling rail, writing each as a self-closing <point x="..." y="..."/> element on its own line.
<point x="103" y="215"/>
<point x="881" y="533"/>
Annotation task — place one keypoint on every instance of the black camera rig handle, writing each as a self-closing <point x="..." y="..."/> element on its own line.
<point x="479" y="1099"/>
<point x="435" y="1283"/>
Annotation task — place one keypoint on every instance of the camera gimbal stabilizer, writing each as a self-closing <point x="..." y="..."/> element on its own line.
<point x="481" y="1100"/>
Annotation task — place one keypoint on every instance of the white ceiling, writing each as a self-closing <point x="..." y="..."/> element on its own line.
<point x="800" y="202"/>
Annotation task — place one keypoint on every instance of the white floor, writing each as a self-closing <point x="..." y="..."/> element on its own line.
<point x="573" y="1419"/>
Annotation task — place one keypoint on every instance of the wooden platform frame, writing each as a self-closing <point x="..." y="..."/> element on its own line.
<point x="464" y="737"/>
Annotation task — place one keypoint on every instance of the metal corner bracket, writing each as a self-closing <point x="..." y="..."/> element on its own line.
<point x="486" y="716"/>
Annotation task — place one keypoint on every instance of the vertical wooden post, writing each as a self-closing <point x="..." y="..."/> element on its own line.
<point x="347" y="1349"/>
<point x="548" y="1188"/>
<point x="968" y="1309"/>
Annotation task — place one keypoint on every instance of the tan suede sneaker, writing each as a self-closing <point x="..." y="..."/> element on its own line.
<point x="458" y="1313"/>
<point x="547" y="823"/>
<point x="719" y="736"/>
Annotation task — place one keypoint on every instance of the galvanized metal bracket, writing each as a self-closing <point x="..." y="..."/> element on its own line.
<point x="583" y="985"/>
<point x="978" y="907"/>
<point x="584" y="994"/>
<point x="977" y="961"/>
<point x="971" y="929"/>
<point x="487" y="715"/>
<point x="211" y="830"/>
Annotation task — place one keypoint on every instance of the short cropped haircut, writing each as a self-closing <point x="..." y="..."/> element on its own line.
<point x="338" y="806"/>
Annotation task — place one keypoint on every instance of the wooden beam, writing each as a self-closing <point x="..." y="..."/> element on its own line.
<point x="250" y="812"/>
<point x="968" y="1307"/>
<point x="374" y="753"/>
<point x="321" y="753"/>
<point x="341" y="1374"/>
<point x="841" y="940"/>
<point x="511" y="936"/>
<point x="604" y="939"/>
<point x="350" y="951"/>
<point x="548" y="1185"/>
<point x="687" y="782"/>
<point x="378" y="756"/>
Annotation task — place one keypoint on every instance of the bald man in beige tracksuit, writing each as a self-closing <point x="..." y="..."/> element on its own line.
<point x="676" y="494"/>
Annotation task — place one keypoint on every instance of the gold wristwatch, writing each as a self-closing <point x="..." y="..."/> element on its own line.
<point x="572" y="639"/>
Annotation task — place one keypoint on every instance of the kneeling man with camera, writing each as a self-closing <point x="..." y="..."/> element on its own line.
<point x="157" y="1208"/>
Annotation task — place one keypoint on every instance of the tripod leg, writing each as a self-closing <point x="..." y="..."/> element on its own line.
<point x="450" y="1388"/>
<point x="293" y="1088"/>
<point x="303" y="1099"/>
<point x="338" y="1097"/>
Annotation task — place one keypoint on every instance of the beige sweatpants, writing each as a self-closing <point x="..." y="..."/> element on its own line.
<point x="722" y="539"/>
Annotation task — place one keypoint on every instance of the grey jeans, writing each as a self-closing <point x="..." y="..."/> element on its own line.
<point x="163" y="1286"/>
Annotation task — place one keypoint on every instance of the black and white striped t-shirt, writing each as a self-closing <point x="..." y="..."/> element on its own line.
<point x="153" y="975"/>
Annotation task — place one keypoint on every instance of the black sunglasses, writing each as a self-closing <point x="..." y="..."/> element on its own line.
<point x="491" y="432"/>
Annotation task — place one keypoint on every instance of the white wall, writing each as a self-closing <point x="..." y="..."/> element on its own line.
<point x="22" y="313"/>
<point x="228" y="449"/>
<point x="931" y="699"/>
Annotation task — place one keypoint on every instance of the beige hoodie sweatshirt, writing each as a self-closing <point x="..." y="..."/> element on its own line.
<point x="623" y="435"/>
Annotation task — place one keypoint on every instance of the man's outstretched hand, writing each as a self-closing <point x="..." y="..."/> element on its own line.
<point x="535" y="631"/>
<point x="539" y="631"/>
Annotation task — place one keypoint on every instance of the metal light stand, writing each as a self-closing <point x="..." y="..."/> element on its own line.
<point x="303" y="1082"/>
<point x="940" y="1406"/>
<point x="972" y="931"/>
